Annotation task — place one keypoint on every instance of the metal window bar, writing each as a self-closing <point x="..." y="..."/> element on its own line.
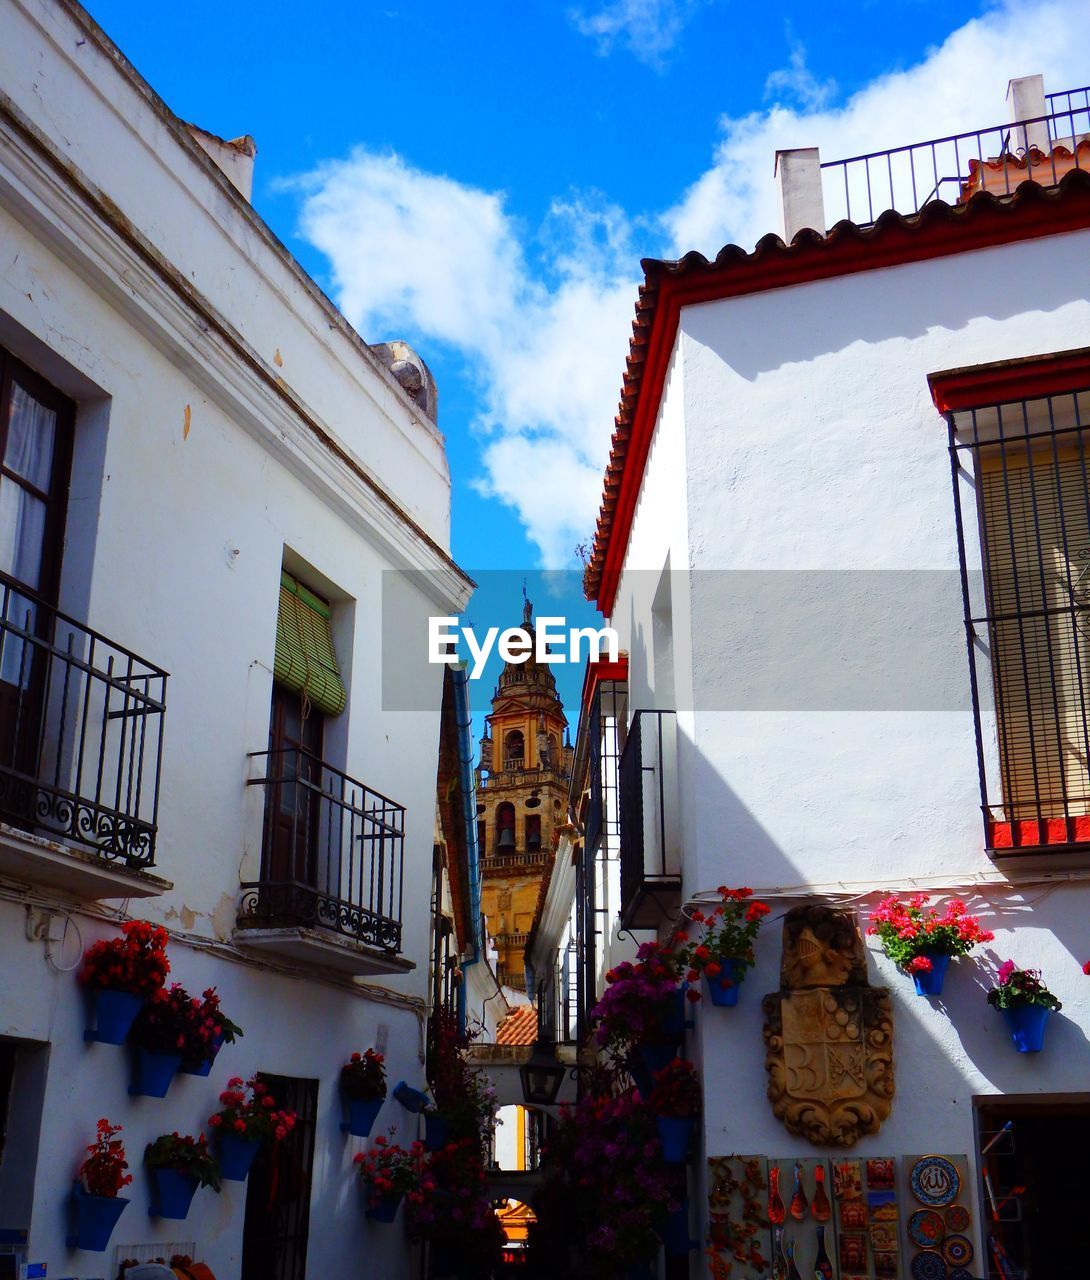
<point x="81" y="732"/>
<point x="1028" y="633"/>
<point x="642" y="789"/>
<point x="332" y="853"/>
<point x="997" y="159"/>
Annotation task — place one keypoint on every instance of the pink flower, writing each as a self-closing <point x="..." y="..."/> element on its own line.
<point x="1005" y="971"/>
<point x="921" y="964"/>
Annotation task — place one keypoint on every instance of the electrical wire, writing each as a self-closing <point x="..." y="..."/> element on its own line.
<point x="64" y="968"/>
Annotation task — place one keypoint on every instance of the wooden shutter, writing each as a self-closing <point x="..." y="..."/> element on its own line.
<point x="305" y="661"/>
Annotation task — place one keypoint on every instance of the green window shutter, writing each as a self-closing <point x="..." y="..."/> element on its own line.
<point x="305" y="660"/>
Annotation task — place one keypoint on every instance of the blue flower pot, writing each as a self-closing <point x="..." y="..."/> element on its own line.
<point x="362" y="1114"/>
<point x="656" y="1057"/>
<point x="930" y="983"/>
<point x="154" y="1072"/>
<point x="411" y="1099"/>
<point x="1027" y="1023"/>
<point x="115" y="1012"/>
<point x="173" y="1194"/>
<point x="638" y="1271"/>
<point x="674" y="1136"/>
<point x="674" y="1232"/>
<point x="203" y="1068"/>
<point x="382" y="1208"/>
<point x="436" y="1130"/>
<point x="236" y="1156"/>
<point x="723" y="989"/>
<point x="95" y="1217"/>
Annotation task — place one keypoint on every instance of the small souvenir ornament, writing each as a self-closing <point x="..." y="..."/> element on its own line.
<point x="799" y="1203"/>
<point x="935" y="1182"/>
<point x="821" y="1208"/>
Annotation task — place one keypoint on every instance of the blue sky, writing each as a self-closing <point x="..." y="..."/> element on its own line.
<point x="483" y="179"/>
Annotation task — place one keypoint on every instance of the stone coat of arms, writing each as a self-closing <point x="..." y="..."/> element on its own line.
<point x="828" y="1032"/>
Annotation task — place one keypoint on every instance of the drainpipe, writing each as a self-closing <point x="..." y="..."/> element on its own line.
<point x="464" y="720"/>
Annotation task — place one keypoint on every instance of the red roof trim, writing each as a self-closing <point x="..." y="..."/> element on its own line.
<point x="999" y="383"/>
<point x="938" y="230"/>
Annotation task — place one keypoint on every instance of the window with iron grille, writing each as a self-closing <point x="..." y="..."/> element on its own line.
<point x="1024" y="465"/>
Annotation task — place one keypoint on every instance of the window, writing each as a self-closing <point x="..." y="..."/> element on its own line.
<point x="1028" y="465"/>
<point x="505" y="828"/>
<point x="514" y="750"/>
<point x="533" y="832"/>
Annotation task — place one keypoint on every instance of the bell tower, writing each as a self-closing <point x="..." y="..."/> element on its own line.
<point x="522" y="789"/>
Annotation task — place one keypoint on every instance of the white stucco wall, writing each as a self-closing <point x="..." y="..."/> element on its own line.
<point x="227" y="423"/>
<point x="811" y="445"/>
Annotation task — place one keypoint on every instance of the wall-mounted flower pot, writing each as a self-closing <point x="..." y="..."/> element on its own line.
<point x="930" y="983"/>
<point x="724" y="988"/>
<point x="382" y="1208"/>
<point x="655" y="1057"/>
<point x="674" y="1232"/>
<point x="115" y="1012"/>
<point x="153" y="1073"/>
<point x="436" y="1130"/>
<point x="674" y="1136"/>
<point x="1027" y="1023"/>
<point x="672" y="1020"/>
<point x="362" y="1114"/>
<point x="411" y="1099"/>
<point x="173" y="1193"/>
<point x="204" y="1067"/>
<point x="95" y="1219"/>
<point x="236" y="1156"/>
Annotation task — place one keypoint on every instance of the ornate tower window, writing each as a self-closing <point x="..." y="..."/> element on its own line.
<point x="514" y="750"/>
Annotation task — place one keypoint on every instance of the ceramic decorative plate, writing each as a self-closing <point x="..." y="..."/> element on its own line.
<point x="926" y="1228"/>
<point x="960" y="1273"/>
<point x="929" y="1266"/>
<point x="934" y="1181"/>
<point x="957" y="1217"/>
<point x="957" y="1250"/>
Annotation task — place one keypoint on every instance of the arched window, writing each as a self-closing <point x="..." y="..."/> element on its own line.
<point x="514" y="750"/>
<point x="505" y="828"/>
<point x="533" y="832"/>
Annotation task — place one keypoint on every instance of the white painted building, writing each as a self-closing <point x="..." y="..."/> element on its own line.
<point x="206" y="473"/>
<point x="781" y="549"/>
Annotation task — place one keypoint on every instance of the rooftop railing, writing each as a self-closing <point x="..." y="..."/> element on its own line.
<point x="997" y="159"/>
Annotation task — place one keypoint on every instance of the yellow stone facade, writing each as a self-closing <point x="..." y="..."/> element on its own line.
<point x="522" y="787"/>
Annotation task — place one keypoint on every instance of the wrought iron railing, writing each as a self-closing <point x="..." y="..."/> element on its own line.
<point x="81" y="732"/>
<point x="332" y="853"/>
<point x="645" y="782"/>
<point x="996" y="159"/>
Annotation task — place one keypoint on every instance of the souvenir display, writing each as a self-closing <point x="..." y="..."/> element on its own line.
<point x="957" y="1250"/>
<point x="847" y="1180"/>
<point x="799" y="1202"/>
<point x="883" y="1237"/>
<point x="887" y="1264"/>
<point x="776" y="1212"/>
<point x="928" y="1265"/>
<point x="792" y="1269"/>
<point x="926" y="1228"/>
<point x="957" y="1217"/>
<point x="853" y="1215"/>
<point x="880" y="1175"/>
<point x="934" y="1181"/>
<point x="738" y="1226"/>
<point x="820" y="1207"/>
<point x="938" y="1230"/>
<point x="853" y="1253"/>
<point x="823" y="1265"/>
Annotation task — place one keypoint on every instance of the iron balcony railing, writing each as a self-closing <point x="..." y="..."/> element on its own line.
<point x="332" y="853"/>
<point x="647" y="781"/>
<point x="81" y="732"/>
<point x="996" y="159"/>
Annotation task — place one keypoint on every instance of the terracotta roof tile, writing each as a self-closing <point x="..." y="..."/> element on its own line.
<point x="519" y="1027"/>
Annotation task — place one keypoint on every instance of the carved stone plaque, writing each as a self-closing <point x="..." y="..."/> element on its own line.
<point x="828" y="1033"/>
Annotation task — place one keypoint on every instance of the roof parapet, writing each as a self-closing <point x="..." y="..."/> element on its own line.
<point x="233" y="157"/>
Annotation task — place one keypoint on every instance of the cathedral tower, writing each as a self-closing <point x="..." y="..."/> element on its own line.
<point x="522" y="789"/>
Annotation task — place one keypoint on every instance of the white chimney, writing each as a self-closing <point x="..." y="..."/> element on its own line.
<point x="234" y="157"/>
<point x="1026" y="99"/>
<point x="798" y="176"/>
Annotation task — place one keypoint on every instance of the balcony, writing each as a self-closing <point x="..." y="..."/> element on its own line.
<point x="81" y="742"/>
<point x="650" y="850"/>
<point x="1048" y="137"/>
<point x="514" y="862"/>
<point x="332" y="855"/>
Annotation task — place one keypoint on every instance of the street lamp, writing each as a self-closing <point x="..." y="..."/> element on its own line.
<point x="542" y="1075"/>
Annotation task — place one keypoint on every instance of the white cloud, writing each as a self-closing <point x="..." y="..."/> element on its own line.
<point x="959" y="86"/>
<point x="543" y="319"/>
<point x="421" y="256"/>
<point x="798" y="82"/>
<point x="649" y="29"/>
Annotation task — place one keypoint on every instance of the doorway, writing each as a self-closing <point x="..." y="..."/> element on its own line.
<point x="1033" y="1190"/>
